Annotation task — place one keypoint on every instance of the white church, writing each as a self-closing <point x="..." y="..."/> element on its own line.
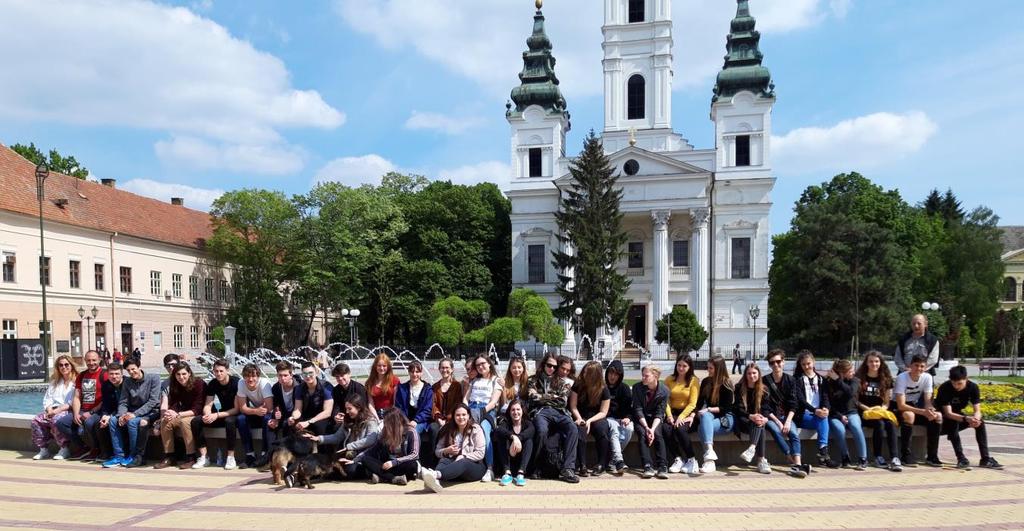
<point x="697" y="219"/>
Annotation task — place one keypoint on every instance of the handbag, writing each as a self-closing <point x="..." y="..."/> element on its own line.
<point x="879" y="413"/>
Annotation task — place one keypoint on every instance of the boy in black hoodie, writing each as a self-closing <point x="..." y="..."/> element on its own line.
<point x="619" y="412"/>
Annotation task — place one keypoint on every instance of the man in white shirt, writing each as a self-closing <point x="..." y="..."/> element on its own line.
<point x="913" y="392"/>
<point x="254" y="401"/>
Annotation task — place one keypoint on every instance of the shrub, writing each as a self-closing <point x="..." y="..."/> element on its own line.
<point x="687" y="333"/>
<point x="503" y="331"/>
<point x="445" y="330"/>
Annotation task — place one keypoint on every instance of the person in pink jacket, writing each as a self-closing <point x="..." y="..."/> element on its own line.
<point x="460" y="446"/>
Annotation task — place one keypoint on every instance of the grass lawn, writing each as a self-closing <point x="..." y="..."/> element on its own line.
<point x="1000" y="379"/>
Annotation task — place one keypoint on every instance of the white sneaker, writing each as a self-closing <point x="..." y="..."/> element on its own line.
<point x="748" y="454"/>
<point x="708" y="467"/>
<point x="201" y="462"/>
<point x="44" y="453"/>
<point x="677" y="466"/>
<point x="430" y="480"/>
<point x="229" y="463"/>
<point x="763" y="467"/>
<point x="63" y="454"/>
<point x="488" y="477"/>
<point x="690" y="468"/>
<point x="710" y="455"/>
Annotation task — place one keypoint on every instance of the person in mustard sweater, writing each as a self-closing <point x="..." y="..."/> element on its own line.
<point x="683" y="389"/>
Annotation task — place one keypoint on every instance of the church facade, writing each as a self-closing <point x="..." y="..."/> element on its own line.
<point x="697" y="219"/>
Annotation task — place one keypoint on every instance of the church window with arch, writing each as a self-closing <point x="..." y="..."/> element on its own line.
<point x="635" y="94"/>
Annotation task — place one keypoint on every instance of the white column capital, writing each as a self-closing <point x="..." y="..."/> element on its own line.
<point x="699" y="217"/>
<point x="661" y="218"/>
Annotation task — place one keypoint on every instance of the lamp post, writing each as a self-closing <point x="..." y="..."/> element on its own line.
<point x="577" y="313"/>
<point x="754" y="313"/>
<point x="42" y="172"/>
<point x="353" y="332"/>
<point x="933" y="306"/>
<point x="88" y="323"/>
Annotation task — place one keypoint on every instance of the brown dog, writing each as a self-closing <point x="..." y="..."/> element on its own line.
<point x="288" y="450"/>
<point x="315" y="466"/>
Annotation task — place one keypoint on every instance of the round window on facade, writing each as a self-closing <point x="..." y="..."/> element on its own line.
<point x="631" y="167"/>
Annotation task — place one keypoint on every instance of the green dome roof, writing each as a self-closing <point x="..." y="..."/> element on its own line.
<point x="742" y="69"/>
<point x="538" y="83"/>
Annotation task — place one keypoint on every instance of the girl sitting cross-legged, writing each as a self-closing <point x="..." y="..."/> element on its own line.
<point x="460" y="446"/>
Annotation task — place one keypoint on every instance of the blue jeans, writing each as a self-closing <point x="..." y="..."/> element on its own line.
<point x="839" y="432"/>
<point x="620" y="436"/>
<point x="810" y="421"/>
<point x="138" y="436"/>
<point x="790" y="447"/>
<point x="67" y="426"/>
<point x="245" y="424"/>
<point x="485" y="424"/>
<point x="710" y="425"/>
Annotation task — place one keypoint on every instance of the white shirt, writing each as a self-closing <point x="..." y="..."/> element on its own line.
<point x="59" y="394"/>
<point x="812" y="390"/>
<point x="481" y="390"/>
<point x="258" y="395"/>
<point x="913" y="391"/>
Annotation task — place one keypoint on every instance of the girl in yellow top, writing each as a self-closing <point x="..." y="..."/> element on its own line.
<point x="683" y="388"/>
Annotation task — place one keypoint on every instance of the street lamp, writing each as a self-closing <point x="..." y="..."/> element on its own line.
<point x="42" y="172"/>
<point x="88" y="323"/>
<point x="353" y="332"/>
<point x="933" y="306"/>
<point x="577" y="313"/>
<point x="754" y="313"/>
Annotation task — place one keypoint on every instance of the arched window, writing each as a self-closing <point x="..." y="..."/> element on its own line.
<point x="635" y="94"/>
<point x="636" y="11"/>
<point x="1010" y="285"/>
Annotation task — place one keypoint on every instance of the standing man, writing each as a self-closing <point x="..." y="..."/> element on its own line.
<point x="84" y="406"/>
<point x="737" y="360"/>
<point x="917" y="342"/>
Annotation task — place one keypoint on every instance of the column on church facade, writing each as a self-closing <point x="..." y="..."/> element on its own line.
<point x="569" y="343"/>
<point x="659" y="295"/>
<point x="699" y="270"/>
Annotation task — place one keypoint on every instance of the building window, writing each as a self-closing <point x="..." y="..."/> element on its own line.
<point x="154" y="283"/>
<point x="743" y="150"/>
<point x="176" y="285"/>
<point x="207" y="334"/>
<point x="535" y="162"/>
<point x="635" y="255"/>
<point x="741" y="258"/>
<point x="74" y="273"/>
<point x="636" y="11"/>
<point x="635" y="94"/>
<point x="97" y="272"/>
<point x="193" y="287"/>
<point x="208" y="288"/>
<point x="100" y="334"/>
<point x="224" y="290"/>
<point x="9" y="267"/>
<point x="1011" y="289"/>
<point x="158" y="339"/>
<point x="126" y="279"/>
<point x="193" y="336"/>
<point x="535" y="264"/>
<point x="44" y="270"/>
<point x="179" y="333"/>
<point x="681" y="253"/>
<point x="46" y="331"/>
<point x="76" y="337"/>
<point x="10" y="329"/>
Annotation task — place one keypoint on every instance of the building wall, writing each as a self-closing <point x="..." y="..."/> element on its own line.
<point x="1014" y="263"/>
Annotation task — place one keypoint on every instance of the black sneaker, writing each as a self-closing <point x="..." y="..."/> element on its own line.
<point x="908" y="460"/>
<point x="807" y="469"/>
<point x="824" y="459"/>
<point x="583" y="472"/>
<point x="797" y="471"/>
<point x="618" y="467"/>
<point x="648" y="472"/>
<point x="846" y="463"/>
<point x="662" y="473"/>
<point x="963" y="463"/>
<point x="988" y="462"/>
<point x="250" y="461"/>
<point x="568" y="476"/>
<point x="289" y="480"/>
<point x="597" y="471"/>
<point x="933" y="461"/>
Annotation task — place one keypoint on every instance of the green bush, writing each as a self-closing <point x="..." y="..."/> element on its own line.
<point x="474" y="337"/>
<point x="445" y="330"/>
<point x="517" y="299"/>
<point x="504" y="331"/>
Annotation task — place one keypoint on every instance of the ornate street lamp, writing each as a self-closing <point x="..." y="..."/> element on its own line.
<point x="88" y="324"/>
<point x="353" y="332"/>
<point x="577" y="314"/>
<point x="754" y="313"/>
<point x="42" y="172"/>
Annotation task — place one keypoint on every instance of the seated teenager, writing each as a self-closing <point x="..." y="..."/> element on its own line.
<point x="313" y="401"/>
<point x="108" y="410"/>
<point x="567" y="368"/>
<point x="470" y="371"/>
<point x="447" y="393"/>
<point x="514" y="385"/>
<point x="783" y="406"/>
<point x="254" y="401"/>
<point x="589" y="403"/>
<point x="415" y="399"/>
<point x="382" y="384"/>
<point x="812" y="404"/>
<point x="280" y="421"/>
<point x="751" y="412"/>
<point x="549" y="401"/>
<point x="344" y="387"/>
<point x="683" y="390"/>
<point x="620" y="413"/>
<point x="56" y="405"/>
<point x="137" y="408"/>
<point x="184" y="401"/>
<point x="954" y="396"/>
<point x="874" y="395"/>
<point x="714" y="409"/>
<point x="460" y="448"/>
<point x="513" y="444"/>
<point x="913" y="392"/>
<point x="844" y="415"/>
<point x="482" y="396"/>
<point x="650" y="398"/>
<point x="359" y="433"/>
<point x="219" y="411"/>
<point x="80" y="425"/>
<point x="394" y="457"/>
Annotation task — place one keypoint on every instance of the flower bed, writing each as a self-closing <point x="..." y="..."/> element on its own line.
<point x="1003" y="403"/>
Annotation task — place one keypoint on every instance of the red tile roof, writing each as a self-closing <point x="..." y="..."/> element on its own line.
<point x="96" y="206"/>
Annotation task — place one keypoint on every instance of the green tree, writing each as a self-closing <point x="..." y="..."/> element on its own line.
<point x="687" y="333"/>
<point x="445" y="330"/>
<point x="504" y="331"/>
<point x="590" y="221"/>
<point x="57" y="162"/>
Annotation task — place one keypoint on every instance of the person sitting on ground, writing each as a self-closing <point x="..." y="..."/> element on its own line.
<point x="751" y="412"/>
<point x="460" y="447"/>
<point x="138" y="407"/>
<point x="844" y="415"/>
<point x="344" y="388"/>
<point x="874" y="397"/>
<point x="394" y="457"/>
<point x="589" y="404"/>
<point x="513" y="444"/>
<point x="359" y="433"/>
<point x="382" y="384"/>
<point x="313" y="402"/>
<point x="184" y="401"/>
<point x="447" y="393"/>
<point x="415" y="399"/>
<point x="714" y="409"/>
<point x="514" y="385"/>
<point x="108" y="410"/>
<point x="620" y="413"/>
<point x="812" y="403"/>
<point x="220" y="395"/>
<point x="482" y="396"/>
<point x="549" y="400"/>
<point x="954" y="396"/>
<point x="683" y="391"/>
<point x="255" y="401"/>
<point x="913" y="392"/>
<point x="783" y="406"/>
<point x="56" y="405"/>
<point x="80" y="425"/>
<point x="650" y="400"/>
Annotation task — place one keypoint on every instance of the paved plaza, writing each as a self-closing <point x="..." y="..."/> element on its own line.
<point x="54" y="495"/>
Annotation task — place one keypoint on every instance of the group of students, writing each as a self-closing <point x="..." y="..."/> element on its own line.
<point x="485" y="427"/>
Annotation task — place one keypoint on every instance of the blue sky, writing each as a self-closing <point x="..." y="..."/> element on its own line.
<point x="193" y="97"/>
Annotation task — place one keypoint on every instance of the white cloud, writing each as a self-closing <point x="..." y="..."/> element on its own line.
<point x="861" y="142"/>
<point x="449" y="125"/>
<point x="195" y="198"/>
<point x="499" y="173"/>
<point x="354" y="171"/>
<point x="138" y="64"/>
<point x="268" y="159"/>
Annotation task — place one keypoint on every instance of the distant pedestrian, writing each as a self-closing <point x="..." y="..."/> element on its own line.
<point x="737" y="360"/>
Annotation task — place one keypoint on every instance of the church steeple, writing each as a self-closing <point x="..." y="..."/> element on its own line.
<point x="742" y="69"/>
<point x="538" y="83"/>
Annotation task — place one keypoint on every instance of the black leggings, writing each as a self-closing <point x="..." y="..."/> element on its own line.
<point x="373" y="461"/>
<point x="230" y="430"/>
<point x="462" y="470"/>
<point x="503" y="462"/>
<point x="602" y="438"/>
<point x="883" y="429"/>
<point x="678" y="439"/>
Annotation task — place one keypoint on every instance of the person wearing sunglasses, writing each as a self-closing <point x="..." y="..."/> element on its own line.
<point x="782" y="406"/>
<point x="549" y="400"/>
<point x="56" y="405"/>
<point x="314" y="402"/>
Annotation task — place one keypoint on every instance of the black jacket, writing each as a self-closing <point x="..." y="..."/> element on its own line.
<point x="725" y="397"/>
<point x="799" y="385"/>
<point x="342" y="394"/>
<point x="649" y="409"/>
<point x="842" y="396"/>
<point x="621" y="406"/>
<point x="741" y="411"/>
<point x="782" y="396"/>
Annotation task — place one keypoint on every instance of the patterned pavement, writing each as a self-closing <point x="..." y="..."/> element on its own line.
<point x="55" y="495"/>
